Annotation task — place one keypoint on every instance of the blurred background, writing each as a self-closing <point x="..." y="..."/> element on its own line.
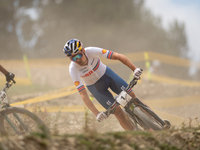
<point x="159" y="36"/>
<point x="40" y="28"/>
<point x="37" y="30"/>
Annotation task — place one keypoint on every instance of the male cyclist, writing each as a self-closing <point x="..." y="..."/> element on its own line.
<point x="9" y="76"/>
<point x="86" y="64"/>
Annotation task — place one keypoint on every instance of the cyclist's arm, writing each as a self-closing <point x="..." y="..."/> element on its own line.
<point x="124" y="60"/>
<point x="3" y="70"/>
<point x="88" y="102"/>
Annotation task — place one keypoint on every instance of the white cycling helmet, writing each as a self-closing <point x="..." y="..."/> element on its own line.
<point x="72" y="46"/>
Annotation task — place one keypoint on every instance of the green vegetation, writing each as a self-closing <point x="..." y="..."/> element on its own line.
<point x="186" y="139"/>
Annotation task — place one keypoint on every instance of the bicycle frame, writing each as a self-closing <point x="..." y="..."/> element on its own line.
<point x="129" y="106"/>
<point x="112" y="108"/>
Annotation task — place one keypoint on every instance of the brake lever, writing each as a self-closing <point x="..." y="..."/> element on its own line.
<point x="13" y="81"/>
<point x="8" y="85"/>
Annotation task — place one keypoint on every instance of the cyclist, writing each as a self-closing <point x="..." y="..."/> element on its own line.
<point x="9" y="76"/>
<point x="86" y="64"/>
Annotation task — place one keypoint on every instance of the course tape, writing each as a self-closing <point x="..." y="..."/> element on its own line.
<point x="72" y="89"/>
<point x="49" y="96"/>
<point x="165" y="79"/>
<point x="73" y="108"/>
<point x="135" y="57"/>
<point x="159" y="103"/>
<point x="174" y="102"/>
<point x="172" y="60"/>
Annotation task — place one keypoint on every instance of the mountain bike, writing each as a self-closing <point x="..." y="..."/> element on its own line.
<point x="16" y="120"/>
<point x="138" y="113"/>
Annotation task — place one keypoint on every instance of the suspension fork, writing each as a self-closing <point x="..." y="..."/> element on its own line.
<point x="10" y="122"/>
<point x="129" y="109"/>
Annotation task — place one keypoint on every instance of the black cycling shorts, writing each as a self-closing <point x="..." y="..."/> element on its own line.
<point x="100" y="89"/>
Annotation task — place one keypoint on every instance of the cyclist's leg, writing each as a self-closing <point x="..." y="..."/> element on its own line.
<point x="121" y="117"/>
<point x="100" y="91"/>
<point x="117" y="84"/>
<point x="104" y="97"/>
<point x="132" y="94"/>
<point x="106" y="100"/>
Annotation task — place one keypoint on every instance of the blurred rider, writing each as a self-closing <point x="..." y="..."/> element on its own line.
<point x="9" y="76"/>
<point x="86" y="64"/>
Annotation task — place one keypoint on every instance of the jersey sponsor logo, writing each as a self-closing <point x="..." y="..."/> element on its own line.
<point x="88" y="74"/>
<point x="123" y="88"/>
<point x="92" y="71"/>
<point x="83" y="68"/>
<point x="76" y="83"/>
<point x="104" y="51"/>
<point x="108" y="103"/>
<point x="85" y="71"/>
<point x="92" y="61"/>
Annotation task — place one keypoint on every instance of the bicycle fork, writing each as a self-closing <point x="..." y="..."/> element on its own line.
<point x="12" y="125"/>
<point x="10" y="122"/>
<point x="129" y="108"/>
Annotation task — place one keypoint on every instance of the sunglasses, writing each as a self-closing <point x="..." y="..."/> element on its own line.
<point x="76" y="57"/>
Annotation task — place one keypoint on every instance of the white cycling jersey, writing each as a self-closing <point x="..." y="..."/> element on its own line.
<point x="92" y="72"/>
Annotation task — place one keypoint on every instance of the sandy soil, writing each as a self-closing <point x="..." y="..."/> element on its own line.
<point x="75" y="122"/>
<point x="58" y="77"/>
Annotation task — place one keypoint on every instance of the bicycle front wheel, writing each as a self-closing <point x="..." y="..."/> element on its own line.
<point x="19" y="121"/>
<point x="147" y="119"/>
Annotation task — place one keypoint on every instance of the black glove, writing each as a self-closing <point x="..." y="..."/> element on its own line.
<point x="9" y="76"/>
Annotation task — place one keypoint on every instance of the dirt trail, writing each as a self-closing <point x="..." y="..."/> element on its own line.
<point x="57" y="76"/>
<point x="168" y="101"/>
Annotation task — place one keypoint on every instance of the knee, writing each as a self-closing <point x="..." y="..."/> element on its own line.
<point x="132" y="94"/>
<point x="118" y="112"/>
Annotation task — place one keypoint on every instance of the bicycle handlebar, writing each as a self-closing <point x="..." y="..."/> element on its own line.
<point x="8" y="85"/>
<point x="132" y="83"/>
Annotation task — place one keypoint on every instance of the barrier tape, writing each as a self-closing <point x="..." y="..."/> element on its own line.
<point x="135" y="57"/>
<point x="49" y="96"/>
<point x="72" y="89"/>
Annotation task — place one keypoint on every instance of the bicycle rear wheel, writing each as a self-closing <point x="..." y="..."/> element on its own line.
<point x="147" y="119"/>
<point x="19" y="121"/>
